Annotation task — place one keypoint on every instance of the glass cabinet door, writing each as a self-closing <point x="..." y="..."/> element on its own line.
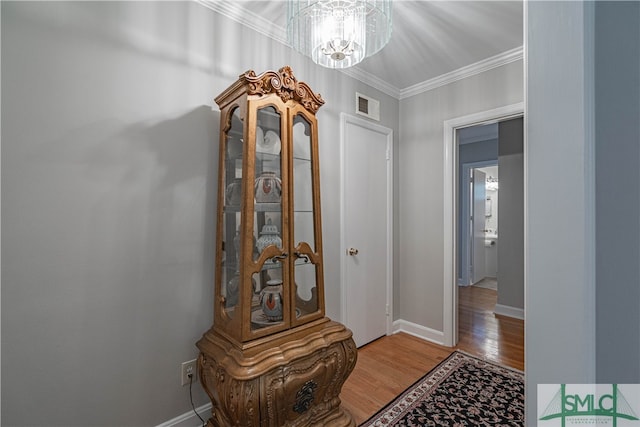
<point x="305" y="271"/>
<point x="269" y="270"/>
<point x="268" y="304"/>
<point x="231" y="216"/>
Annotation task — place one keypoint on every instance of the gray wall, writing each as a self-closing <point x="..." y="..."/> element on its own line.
<point x="559" y="227"/>
<point x="582" y="296"/>
<point x="109" y="166"/>
<point x="617" y="96"/>
<point x="511" y="214"/>
<point x="420" y="296"/>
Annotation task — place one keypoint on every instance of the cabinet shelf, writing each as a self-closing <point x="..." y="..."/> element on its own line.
<point x="267" y="207"/>
<point x="267" y="162"/>
<point x="268" y="157"/>
<point x="258" y="207"/>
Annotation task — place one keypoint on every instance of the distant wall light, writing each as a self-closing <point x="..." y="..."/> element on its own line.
<point x="338" y="33"/>
<point x="492" y="183"/>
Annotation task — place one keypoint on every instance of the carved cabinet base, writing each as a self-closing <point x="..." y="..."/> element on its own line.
<point x="289" y="380"/>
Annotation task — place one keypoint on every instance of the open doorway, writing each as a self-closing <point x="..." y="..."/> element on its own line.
<point x="452" y="243"/>
<point x="489" y="237"/>
<point x="482" y="150"/>
<point x="490" y="277"/>
<point x="478" y="221"/>
<point x="477" y="203"/>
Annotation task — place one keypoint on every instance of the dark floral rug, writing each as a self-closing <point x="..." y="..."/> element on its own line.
<point x="462" y="390"/>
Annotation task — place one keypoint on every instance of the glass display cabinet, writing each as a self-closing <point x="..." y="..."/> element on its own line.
<point x="271" y="358"/>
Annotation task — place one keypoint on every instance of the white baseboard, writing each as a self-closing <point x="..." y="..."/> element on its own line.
<point x="506" y="310"/>
<point x="189" y="419"/>
<point x="419" y="331"/>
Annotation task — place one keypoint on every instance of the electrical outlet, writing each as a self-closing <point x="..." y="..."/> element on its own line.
<point x="186" y="369"/>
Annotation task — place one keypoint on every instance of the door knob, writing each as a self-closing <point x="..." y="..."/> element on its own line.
<point x="352" y="251"/>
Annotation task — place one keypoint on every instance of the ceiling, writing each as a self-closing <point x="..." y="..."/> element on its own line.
<point x="432" y="41"/>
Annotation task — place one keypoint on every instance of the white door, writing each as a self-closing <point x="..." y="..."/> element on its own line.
<point x="366" y="228"/>
<point x="478" y="220"/>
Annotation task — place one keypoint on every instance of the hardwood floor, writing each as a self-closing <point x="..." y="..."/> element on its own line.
<point x="387" y="366"/>
<point x="485" y="334"/>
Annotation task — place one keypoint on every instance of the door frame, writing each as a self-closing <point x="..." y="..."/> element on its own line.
<point x="450" y="205"/>
<point x="346" y="119"/>
<point x="464" y="212"/>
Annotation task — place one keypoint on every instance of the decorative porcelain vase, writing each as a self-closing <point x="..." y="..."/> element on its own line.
<point x="270" y="143"/>
<point x="268" y="236"/>
<point x="271" y="300"/>
<point x="268" y="188"/>
<point x="233" y="193"/>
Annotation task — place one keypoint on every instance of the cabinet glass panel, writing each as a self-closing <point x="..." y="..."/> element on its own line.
<point x="267" y="300"/>
<point x="304" y="230"/>
<point x="230" y="274"/>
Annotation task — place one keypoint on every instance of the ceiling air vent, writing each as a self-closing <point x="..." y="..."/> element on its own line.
<point x="367" y="107"/>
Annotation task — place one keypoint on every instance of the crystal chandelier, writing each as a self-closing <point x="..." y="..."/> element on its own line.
<point x="338" y="33"/>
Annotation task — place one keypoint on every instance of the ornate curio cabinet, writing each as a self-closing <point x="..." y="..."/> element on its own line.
<point x="271" y="358"/>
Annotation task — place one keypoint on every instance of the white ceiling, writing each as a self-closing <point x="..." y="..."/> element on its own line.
<point x="432" y="41"/>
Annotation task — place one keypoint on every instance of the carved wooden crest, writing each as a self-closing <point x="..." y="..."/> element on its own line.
<point x="285" y="85"/>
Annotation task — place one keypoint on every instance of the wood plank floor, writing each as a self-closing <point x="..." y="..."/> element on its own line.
<point x="386" y="367"/>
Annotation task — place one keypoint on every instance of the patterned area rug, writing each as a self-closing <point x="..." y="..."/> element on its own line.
<point x="462" y="390"/>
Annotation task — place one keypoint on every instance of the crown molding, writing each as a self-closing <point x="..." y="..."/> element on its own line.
<point x="373" y="81"/>
<point x="464" y="72"/>
<point x="235" y="12"/>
